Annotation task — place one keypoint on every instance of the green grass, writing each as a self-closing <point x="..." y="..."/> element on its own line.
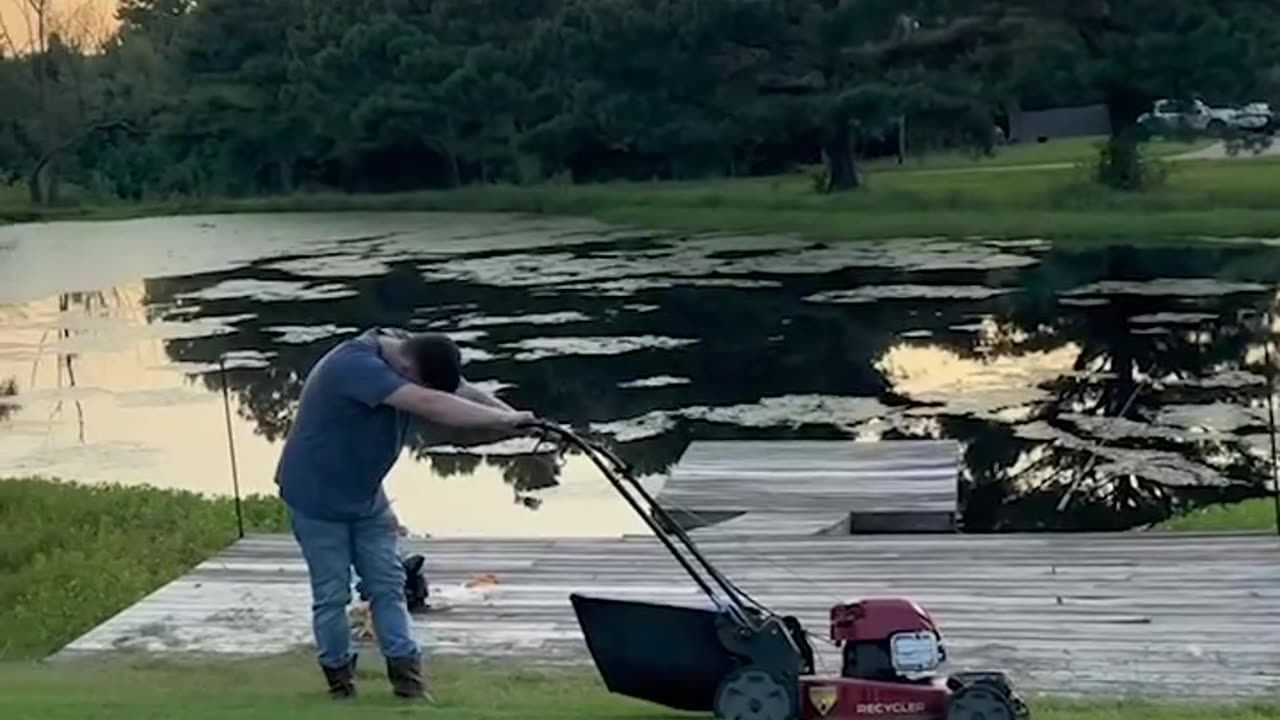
<point x="13" y="204"/>
<point x="289" y="687"/>
<point x="1257" y="515"/>
<point x="1064" y="150"/>
<point x="1204" y="198"/>
<point x="73" y="555"/>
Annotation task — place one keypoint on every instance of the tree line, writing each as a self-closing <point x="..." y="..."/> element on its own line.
<point x="225" y="97"/>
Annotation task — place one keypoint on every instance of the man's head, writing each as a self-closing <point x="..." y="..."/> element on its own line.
<point x="430" y="359"/>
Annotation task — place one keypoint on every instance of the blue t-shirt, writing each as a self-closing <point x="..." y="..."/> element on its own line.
<point x="344" y="440"/>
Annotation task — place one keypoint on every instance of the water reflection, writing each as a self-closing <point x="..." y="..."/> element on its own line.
<point x="1094" y="388"/>
<point x="8" y="397"/>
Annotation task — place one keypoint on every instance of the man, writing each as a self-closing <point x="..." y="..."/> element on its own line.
<point x="352" y="421"/>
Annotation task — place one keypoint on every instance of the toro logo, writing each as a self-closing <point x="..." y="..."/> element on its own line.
<point x="890" y="708"/>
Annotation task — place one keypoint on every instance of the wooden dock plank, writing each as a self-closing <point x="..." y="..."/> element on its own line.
<point x="1068" y="614"/>
<point x="754" y="524"/>
<point x="811" y="486"/>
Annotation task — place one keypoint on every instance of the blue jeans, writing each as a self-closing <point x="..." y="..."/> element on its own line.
<point x="331" y="549"/>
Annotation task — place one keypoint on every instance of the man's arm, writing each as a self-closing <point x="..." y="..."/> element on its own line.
<point x="470" y="392"/>
<point x="454" y="411"/>
<point x="369" y="380"/>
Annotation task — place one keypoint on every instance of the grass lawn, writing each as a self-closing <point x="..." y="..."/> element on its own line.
<point x="1202" y="198"/>
<point x="1249" y="516"/>
<point x="1062" y="150"/>
<point x="290" y="687"/>
<point x="13" y="203"/>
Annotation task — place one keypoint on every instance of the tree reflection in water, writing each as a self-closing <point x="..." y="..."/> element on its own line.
<point x="8" y="398"/>
<point x="1057" y="395"/>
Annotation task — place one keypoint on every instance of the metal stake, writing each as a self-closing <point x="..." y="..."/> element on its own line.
<point x="231" y="447"/>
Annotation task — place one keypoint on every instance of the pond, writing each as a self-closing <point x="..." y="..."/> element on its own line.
<point x="1089" y="386"/>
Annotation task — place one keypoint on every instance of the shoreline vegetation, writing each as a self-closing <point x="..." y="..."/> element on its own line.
<point x="72" y="555"/>
<point x="1040" y="191"/>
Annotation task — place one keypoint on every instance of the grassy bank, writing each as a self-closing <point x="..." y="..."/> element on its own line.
<point x="1249" y="516"/>
<point x="282" y="688"/>
<point x="71" y="556"/>
<point x="1218" y="198"/>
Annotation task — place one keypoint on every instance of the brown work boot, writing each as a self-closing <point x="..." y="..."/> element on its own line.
<point x="342" y="680"/>
<point x="406" y="678"/>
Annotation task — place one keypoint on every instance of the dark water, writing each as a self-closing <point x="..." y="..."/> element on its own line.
<point x="1090" y="387"/>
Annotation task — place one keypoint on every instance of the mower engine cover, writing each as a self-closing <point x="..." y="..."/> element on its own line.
<point x="889" y="639"/>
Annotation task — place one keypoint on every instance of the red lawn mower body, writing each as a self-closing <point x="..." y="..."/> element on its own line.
<point x="855" y="699"/>
<point x="870" y="687"/>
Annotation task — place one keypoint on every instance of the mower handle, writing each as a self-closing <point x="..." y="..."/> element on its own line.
<point x="578" y="441"/>
<point x="620" y="471"/>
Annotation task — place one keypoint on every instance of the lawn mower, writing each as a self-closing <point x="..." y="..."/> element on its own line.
<point x="741" y="661"/>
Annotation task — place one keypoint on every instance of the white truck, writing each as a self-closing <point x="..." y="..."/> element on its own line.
<point x="1198" y="116"/>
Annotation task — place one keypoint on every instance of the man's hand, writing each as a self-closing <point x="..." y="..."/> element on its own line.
<point x="521" y="419"/>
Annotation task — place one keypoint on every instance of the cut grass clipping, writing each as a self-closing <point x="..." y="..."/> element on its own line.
<point x="290" y="687"/>
<point x="71" y="556"/>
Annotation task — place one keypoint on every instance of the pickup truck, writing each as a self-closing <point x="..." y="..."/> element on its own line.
<point x="1198" y="116"/>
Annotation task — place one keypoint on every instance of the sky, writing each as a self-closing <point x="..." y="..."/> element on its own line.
<point x="12" y="13"/>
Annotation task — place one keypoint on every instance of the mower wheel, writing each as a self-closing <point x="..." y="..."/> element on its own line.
<point x="750" y="693"/>
<point x="981" y="701"/>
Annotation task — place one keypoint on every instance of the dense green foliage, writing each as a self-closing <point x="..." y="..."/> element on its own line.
<point x="223" y="97"/>
<point x="1257" y="515"/>
<point x="73" y="555"/>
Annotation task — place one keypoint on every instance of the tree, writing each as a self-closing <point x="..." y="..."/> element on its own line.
<point x="57" y="116"/>
<point x="846" y="69"/>
<point x="628" y="89"/>
<point x="1132" y="53"/>
<point x="159" y="21"/>
<point x="139" y="83"/>
<point x="364" y="86"/>
<point x="496" y="88"/>
<point x="15" y="146"/>
<point x="240" y="131"/>
<point x="232" y="98"/>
